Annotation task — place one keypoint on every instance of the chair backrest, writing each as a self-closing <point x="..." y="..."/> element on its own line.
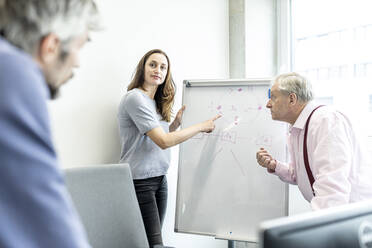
<point x="106" y="201"/>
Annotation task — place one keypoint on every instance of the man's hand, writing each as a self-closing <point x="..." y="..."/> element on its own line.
<point x="266" y="160"/>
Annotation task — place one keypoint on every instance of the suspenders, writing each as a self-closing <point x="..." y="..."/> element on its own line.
<point x="306" y="159"/>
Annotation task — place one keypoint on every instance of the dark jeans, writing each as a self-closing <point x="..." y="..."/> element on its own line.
<point x="152" y="196"/>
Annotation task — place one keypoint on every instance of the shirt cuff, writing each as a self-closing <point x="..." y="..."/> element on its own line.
<point x="280" y="168"/>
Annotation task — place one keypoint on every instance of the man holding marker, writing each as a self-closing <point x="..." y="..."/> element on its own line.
<point x="327" y="161"/>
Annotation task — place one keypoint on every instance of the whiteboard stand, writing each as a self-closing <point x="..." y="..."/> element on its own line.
<point x="221" y="190"/>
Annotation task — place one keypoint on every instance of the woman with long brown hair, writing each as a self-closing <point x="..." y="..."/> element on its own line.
<point x="145" y="133"/>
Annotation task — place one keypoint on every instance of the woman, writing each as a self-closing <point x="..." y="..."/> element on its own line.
<point x="144" y="116"/>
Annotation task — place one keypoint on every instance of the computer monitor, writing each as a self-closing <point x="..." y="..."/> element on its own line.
<point x="347" y="226"/>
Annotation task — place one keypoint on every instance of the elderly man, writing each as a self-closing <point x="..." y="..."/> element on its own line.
<point x="39" y="46"/>
<point x="327" y="161"/>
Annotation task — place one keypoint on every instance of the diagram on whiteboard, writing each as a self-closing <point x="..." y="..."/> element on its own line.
<point x="244" y="110"/>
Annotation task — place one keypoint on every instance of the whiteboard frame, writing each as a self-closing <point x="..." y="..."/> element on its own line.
<point x="227" y="83"/>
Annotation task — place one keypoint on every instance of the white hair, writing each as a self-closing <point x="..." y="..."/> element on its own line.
<point x="295" y="83"/>
<point x="25" y="22"/>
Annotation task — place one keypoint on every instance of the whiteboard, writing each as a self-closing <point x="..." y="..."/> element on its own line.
<point x="221" y="190"/>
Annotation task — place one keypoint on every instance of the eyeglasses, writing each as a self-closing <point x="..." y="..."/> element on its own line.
<point x="269" y="93"/>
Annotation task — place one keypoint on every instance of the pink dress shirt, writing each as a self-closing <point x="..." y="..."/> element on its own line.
<point x="342" y="169"/>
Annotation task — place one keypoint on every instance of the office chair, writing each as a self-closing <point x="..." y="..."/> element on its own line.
<point x="106" y="201"/>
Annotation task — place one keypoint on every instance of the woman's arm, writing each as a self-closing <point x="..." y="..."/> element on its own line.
<point x="165" y="140"/>
<point x="177" y="121"/>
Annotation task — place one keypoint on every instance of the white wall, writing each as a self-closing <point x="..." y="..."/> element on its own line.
<point x="194" y="33"/>
<point x="260" y="38"/>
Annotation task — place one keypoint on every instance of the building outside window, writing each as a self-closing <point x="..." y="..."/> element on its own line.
<point x="332" y="46"/>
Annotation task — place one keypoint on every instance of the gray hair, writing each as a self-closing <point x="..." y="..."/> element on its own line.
<point x="25" y="22"/>
<point x="295" y="83"/>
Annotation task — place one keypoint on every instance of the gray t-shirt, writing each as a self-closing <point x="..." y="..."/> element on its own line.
<point x="138" y="115"/>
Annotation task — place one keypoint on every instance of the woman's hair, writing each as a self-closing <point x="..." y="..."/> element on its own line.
<point x="295" y="83"/>
<point x="164" y="96"/>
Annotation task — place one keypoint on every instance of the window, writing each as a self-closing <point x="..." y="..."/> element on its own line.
<point x="332" y="46"/>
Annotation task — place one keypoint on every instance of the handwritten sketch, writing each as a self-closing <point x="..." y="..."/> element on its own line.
<point x="229" y="136"/>
<point x="237" y="162"/>
<point x="238" y="105"/>
<point x="264" y="140"/>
